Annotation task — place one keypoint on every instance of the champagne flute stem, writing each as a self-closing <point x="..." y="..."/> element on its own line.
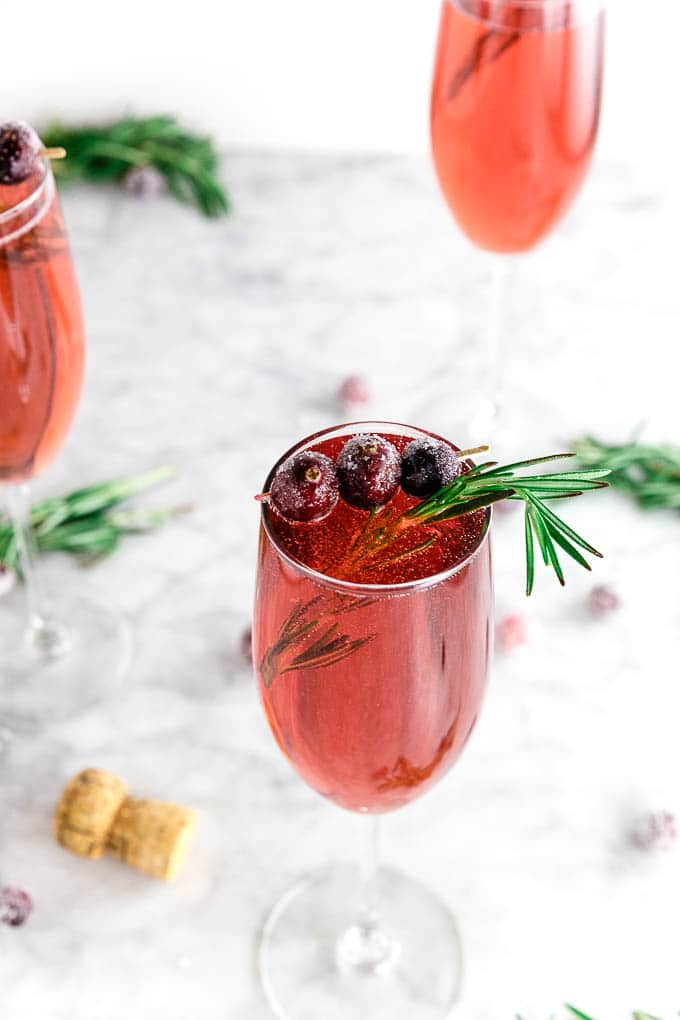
<point x="501" y="271"/>
<point x="49" y="638"/>
<point x="366" y="947"/>
<point x="368" y="876"/>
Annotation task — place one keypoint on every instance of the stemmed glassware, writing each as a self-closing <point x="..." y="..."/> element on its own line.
<point x="64" y="658"/>
<point x="371" y="691"/>
<point x="514" y="116"/>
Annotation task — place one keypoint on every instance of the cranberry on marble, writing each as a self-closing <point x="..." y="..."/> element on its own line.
<point x="603" y="600"/>
<point x="511" y="632"/>
<point x="657" y="830"/>
<point x="15" y="906"/>
<point x="354" y="391"/>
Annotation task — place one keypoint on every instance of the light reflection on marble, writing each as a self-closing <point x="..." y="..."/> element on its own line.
<point x="214" y="347"/>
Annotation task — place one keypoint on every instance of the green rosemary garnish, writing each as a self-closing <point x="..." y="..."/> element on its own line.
<point x="480" y="487"/>
<point x="86" y="522"/>
<point x="105" y="153"/>
<point x="649" y="474"/>
<point x="582" y="1016"/>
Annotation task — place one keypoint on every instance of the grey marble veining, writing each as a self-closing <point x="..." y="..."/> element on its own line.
<point x="215" y="346"/>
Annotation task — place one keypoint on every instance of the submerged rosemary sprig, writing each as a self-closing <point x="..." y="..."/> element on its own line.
<point x="86" y="522"/>
<point x="310" y="637"/>
<point x="485" y="50"/>
<point x="480" y="487"/>
<point x="649" y="473"/>
<point x="106" y="152"/>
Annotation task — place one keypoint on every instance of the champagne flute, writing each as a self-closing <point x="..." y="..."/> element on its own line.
<point x="515" y="108"/>
<point x="372" y="689"/>
<point x="58" y="660"/>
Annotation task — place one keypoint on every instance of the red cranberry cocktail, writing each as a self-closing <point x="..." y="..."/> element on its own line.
<point x="372" y="668"/>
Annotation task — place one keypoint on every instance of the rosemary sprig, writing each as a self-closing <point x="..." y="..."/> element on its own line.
<point x="650" y="474"/>
<point x="483" y="486"/>
<point x="105" y="153"/>
<point x="87" y="522"/>
<point x="582" y="1016"/>
<point x="487" y="48"/>
<point x="309" y="637"/>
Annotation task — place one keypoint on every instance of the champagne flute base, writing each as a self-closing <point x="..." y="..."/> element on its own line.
<point x="54" y="670"/>
<point x="316" y="962"/>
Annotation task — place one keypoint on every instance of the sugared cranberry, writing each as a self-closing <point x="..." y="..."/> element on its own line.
<point x="511" y="632"/>
<point x="15" y="906"/>
<point x="427" y="465"/>
<point x="19" y="147"/>
<point x="658" y="830"/>
<point x="354" y="391"/>
<point x="144" y="182"/>
<point x="368" y="468"/>
<point x="603" y="600"/>
<point x="305" y="487"/>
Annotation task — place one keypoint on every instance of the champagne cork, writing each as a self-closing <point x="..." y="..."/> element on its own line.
<point x="95" y="815"/>
<point x="152" y="836"/>
<point x="86" y="811"/>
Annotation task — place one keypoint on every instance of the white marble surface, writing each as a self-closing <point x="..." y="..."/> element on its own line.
<point x="215" y="346"/>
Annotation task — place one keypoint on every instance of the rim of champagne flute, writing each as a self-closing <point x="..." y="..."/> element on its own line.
<point x="44" y="189"/>
<point x="356" y="586"/>
<point x="538" y="4"/>
<point x="552" y="7"/>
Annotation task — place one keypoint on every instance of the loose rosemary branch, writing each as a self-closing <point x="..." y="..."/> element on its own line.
<point x="582" y="1016"/>
<point x="86" y="522"/>
<point x="649" y="474"/>
<point x="104" y="153"/>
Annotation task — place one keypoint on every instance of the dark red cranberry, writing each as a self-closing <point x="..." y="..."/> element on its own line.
<point x="19" y="147"/>
<point x="15" y="906"/>
<point x="368" y="471"/>
<point x="427" y="465"/>
<point x="305" y="487"/>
